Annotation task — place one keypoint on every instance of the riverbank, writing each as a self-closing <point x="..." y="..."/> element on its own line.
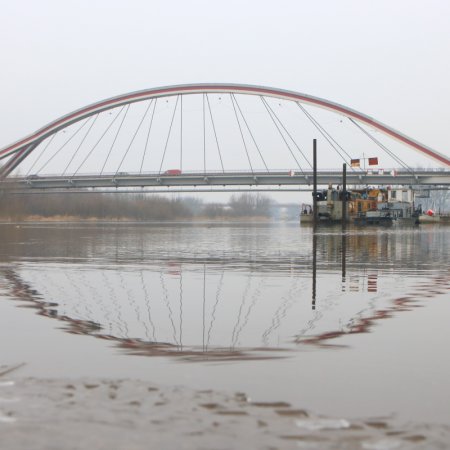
<point x="38" y="414"/>
<point x="132" y="207"/>
<point x="78" y="219"/>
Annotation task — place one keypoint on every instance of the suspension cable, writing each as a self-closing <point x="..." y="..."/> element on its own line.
<point x="65" y="143"/>
<point x="81" y="143"/>
<point x="242" y="134"/>
<point x="215" y="134"/>
<point x="168" y="134"/>
<point x="324" y="133"/>
<point x="101" y="137"/>
<point x="43" y="151"/>
<point x="269" y="111"/>
<point x="134" y="136"/>
<point x="287" y="132"/>
<point x="115" y="138"/>
<point x="250" y="132"/>
<point x="382" y="146"/>
<point x="148" y="135"/>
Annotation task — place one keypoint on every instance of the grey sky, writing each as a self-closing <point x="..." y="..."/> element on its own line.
<point x="388" y="59"/>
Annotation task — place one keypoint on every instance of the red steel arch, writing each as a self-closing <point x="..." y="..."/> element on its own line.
<point x="22" y="148"/>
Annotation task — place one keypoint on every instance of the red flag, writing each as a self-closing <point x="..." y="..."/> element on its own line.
<point x="354" y="162"/>
<point x="373" y="161"/>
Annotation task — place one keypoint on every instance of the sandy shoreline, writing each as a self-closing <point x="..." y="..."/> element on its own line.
<point x="129" y="414"/>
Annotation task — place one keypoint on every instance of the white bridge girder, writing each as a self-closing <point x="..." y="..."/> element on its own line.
<point x="275" y="179"/>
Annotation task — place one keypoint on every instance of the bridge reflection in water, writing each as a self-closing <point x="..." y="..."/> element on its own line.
<point x="205" y="308"/>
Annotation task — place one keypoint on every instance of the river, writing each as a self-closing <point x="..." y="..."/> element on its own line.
<point x="350" y="324"/>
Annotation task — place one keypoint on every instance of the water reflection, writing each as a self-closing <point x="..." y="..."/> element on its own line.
<point x="344" y="254"/>
<point x="239" y="293"/>
<point x="314" y="267"/>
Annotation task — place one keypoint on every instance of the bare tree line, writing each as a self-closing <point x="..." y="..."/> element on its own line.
<point x="139" y="207"/>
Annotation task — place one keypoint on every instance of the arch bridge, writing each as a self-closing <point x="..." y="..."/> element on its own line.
<point x="215" y="136"/>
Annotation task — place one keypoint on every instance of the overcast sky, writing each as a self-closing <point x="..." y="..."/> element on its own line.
<point x="388" y="59"/>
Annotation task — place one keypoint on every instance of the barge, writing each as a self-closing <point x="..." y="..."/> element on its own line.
<point x="365" y="206"/>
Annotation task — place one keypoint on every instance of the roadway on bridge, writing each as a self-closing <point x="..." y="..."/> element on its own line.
<point x="268" y="180"/>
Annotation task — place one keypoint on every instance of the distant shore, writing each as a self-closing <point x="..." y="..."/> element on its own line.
<point x="63" y="218"/>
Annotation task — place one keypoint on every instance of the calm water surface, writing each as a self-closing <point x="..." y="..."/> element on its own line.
<point x="352" y="324"/>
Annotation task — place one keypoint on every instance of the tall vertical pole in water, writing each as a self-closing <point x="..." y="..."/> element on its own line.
<point x="315" y="183"/>
<point x="344" y="195"/>
<point x="344" y="219"/>
<point x="315" y="216"/>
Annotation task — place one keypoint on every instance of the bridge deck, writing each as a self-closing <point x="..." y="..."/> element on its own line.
<point x="276" y="179"/>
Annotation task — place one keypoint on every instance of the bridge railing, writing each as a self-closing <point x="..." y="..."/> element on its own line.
<point x="259" y="172"/>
